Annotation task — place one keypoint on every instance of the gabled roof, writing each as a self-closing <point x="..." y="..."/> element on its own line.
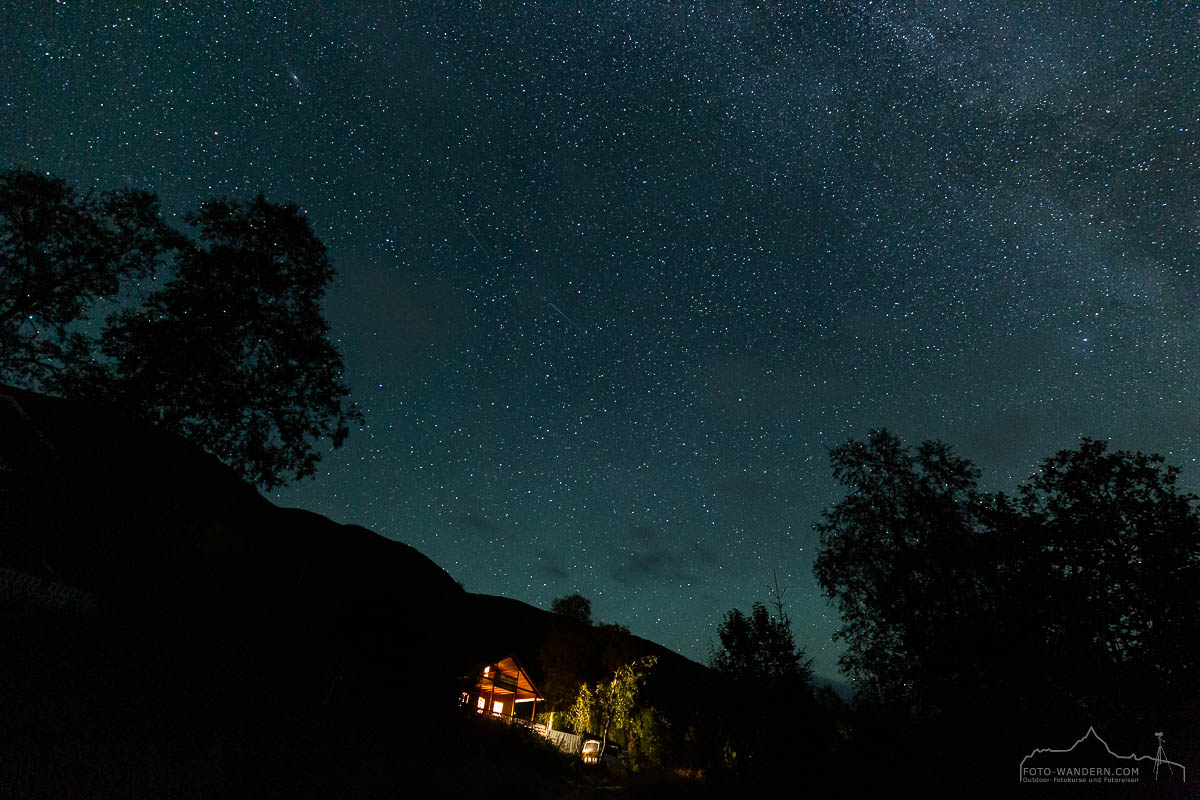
<point x="510" y="677"/>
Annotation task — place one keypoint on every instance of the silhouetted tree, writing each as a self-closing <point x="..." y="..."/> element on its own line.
<point x="760" y="650"/>
<point x="1077" y="601"/>
<point x="765" y="712"/>
<point x="59" y="254"/>
<point x="575" y="606"/>
<point x="228" y="348"/>
<point x="901" y="557"/>
<point x="233" y="352"/>
<point x="1107" y="550"/>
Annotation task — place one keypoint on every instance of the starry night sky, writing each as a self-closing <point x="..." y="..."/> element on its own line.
<point x="614" y="277"/>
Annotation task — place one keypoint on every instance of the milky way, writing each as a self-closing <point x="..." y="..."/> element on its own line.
<point x="614" y="277"/>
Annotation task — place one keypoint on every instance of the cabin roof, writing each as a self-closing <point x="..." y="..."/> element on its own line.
<point x="509" y="677"/>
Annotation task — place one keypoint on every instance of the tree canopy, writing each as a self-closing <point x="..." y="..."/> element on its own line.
<point x="217" y="333"/>
<point x="1039" y="603"/>
<point x="612" y="704"/>
<point x="59" y="254"/>
<point x="575" y="606"/>
<point x="900" y="555"/>
<point x="765" y="713"/>
<point x="1107" y="549"/>
<point x="759" y="649"/>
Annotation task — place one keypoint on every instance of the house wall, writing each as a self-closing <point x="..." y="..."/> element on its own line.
<point x="489" y="701"/>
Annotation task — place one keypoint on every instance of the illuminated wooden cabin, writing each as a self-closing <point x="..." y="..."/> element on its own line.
<point x="503" y="689"/>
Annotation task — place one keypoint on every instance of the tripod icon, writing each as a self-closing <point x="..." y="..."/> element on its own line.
<point x="1161" y="756"/>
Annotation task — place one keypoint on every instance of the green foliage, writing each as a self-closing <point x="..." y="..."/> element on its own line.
<point x="572" y="655"/>
<point x="647" y="737"/>
<point x="611" y="705"/>
<point x="584" y="714"/>
<point x="229" y="348"/>
<point x="575" y="606"/>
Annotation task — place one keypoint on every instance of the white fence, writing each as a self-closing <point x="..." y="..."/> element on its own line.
<point x="569" y="743"/>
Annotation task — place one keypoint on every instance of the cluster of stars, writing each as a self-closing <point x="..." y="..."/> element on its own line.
<point x="612" y="280"/>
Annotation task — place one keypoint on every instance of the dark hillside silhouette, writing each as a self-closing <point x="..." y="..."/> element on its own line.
<point x="192" y="637"/>
<point x="216" y="615"/>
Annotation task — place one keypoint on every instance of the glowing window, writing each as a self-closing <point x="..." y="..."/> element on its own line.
<point x="480" y="703"/>
<point x="498" y="707"/>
